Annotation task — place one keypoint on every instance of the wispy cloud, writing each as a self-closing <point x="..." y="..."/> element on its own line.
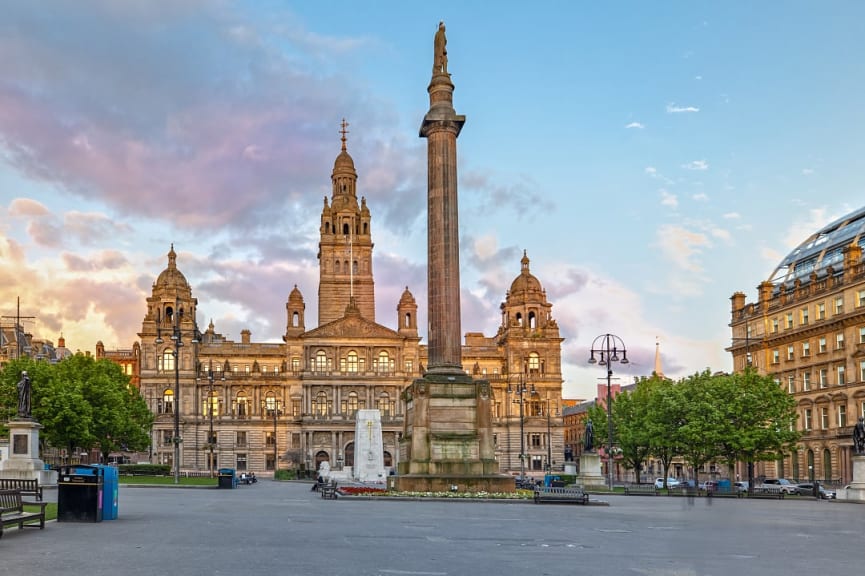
<point x="674" y="109"/>
<point x="668" y="199"/>
<point x="732" y="216"/>
<point x="696" y="165"/>
<point x="807" y="171"/>
<point x="636" y="125"/>
<point x="682" y="247"/>
<point x="700" y="197"/>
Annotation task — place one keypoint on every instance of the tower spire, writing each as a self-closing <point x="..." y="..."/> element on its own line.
<point x="343" y="131"/>
<point x="658" y="369"/>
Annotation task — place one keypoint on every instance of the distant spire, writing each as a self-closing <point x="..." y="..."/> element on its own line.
<point x="658" y="369"/>
<point x="343" y="131"/>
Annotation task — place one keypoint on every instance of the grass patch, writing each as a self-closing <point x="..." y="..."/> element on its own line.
<point x="167" y="480"/>
<point x="50" y="511"/>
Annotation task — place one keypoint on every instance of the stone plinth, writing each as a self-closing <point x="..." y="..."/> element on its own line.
<point x="856" y="491"/>
<point x="368" y="450"/>
<point x="448" y="439"/>
<point x="590" y="470"/>
<point x="24" y="462"/>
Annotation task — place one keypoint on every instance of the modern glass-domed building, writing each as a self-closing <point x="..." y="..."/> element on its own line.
<point x="807" y="330"/>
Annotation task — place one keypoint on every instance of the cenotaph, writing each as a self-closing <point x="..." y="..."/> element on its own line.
<point x="368" y="449"/>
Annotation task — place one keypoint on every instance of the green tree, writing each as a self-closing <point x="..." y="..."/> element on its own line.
<point x="666" y="414"/>
<point x="702" y="428"/>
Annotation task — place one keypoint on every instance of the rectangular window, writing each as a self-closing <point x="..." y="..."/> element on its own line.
<point x="803" y="317"/>
<point x="791" y="384"/>
<point x="408" y="366"/>
<point x="821" y="311"/>
<point x="241" y="462"/>
<point x="788" y="320"/>
<point x="269" y="439"/>
<point x="240" y="439"/>
<point x="862" y="409"/>
<point x="166" y="437"/>
<point x="776" y="356"/>
<point x="806" y="349"/>
<point x="860" y="298"/>
<point x="840" y="372"/>
<point x="839" y="341"/>
<point x="536" y="440"/>
<point x="824" y="378"/>
<point x="842" y="416"/>
<point x="839" y="305"/>
<point x="774" y="325"/>
<point x="295" y="364"/>
<point x="790" y="352"/>
<point x="821" y="345"/>
<point x="806" y="381"/>
<point x="295" y="440"/>
<point x="295" y="408"/>
<point x="824" y="418"/>
<point x="807" y="422"/>
<point x="862" y="371"/>
<point x="862" y="335"/>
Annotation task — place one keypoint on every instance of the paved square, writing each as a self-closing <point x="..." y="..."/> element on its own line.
<point x="283" y="529"/>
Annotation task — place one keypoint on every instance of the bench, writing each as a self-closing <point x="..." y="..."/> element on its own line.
<point x="28" y="487"/>
<point x="12" y="511"/>
<point x="328" y="490"/>
<point x="571" y="495"/>
<point x="641" y="490"/>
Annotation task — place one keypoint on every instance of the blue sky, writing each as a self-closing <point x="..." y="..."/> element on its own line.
<point x="651" y="158"/>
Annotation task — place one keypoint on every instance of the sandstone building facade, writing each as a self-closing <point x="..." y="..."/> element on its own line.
<point x="807" y="330"/>
<point x="259" y="406"/>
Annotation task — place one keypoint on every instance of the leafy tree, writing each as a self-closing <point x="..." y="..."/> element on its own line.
<point x="666" y="414"/>
<point x="701" y="430"/>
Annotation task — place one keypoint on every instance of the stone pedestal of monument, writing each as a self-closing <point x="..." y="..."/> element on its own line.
<point x="448" y="442"/>
<point x="590" y="470"/>
<point x="856" y="491"/>
<point x="368" y="449"/>
<point x="24" y="462"/>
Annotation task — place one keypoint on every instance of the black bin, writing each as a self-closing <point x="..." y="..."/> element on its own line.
<point x="227" y="478"/>
<point x="79" y="494"/>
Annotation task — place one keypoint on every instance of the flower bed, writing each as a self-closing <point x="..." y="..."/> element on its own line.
<point x="358" y="490"/>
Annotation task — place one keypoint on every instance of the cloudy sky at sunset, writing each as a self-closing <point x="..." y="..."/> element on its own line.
<point x="652" y="158"/>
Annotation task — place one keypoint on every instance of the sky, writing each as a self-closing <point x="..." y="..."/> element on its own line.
<point x="651" y="158"/>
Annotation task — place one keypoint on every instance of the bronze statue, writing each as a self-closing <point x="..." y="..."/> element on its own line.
<point x="859" y="436"/>
<point x="590" y="437"/>
<point x="440" y="59"/>
<point x="24" y="395"/>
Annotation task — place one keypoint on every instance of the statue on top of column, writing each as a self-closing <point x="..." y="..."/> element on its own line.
<point x="440" y="59"/>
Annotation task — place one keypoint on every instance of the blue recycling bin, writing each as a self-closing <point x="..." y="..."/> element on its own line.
<point x="110" y="491"/>
<point x="79" y="494"/>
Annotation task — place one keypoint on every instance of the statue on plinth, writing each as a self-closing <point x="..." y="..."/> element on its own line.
<point x="590" y="437"/>
<point x="24" y="389"/>
<point x="859" y="436"/>
<point x="440" y="58"/>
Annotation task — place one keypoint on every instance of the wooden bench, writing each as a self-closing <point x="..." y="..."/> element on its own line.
<point x="28" y="487"/>
<point x="570" y="495"/>
<point x="12" y="511"/>
<point x="641" y="490"/>
<point x="328" y="490"/>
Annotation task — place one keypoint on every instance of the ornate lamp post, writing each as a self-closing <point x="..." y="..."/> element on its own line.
<point x="521" y="392"/>
<point x="212" y="406"/>
<point x="549" y="438"/>
<point x="608" y="347"/>
<point x="271" y="407"/>
<point x="177" y="339"/>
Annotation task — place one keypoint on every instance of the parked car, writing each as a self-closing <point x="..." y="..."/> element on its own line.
<point x="783" y="484"/>
<point x="671" y="483"/>
<point x="741" y="486"/>
<point x="807" y="489"/>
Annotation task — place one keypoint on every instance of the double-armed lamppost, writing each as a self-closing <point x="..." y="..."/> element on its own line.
<point x="608" y="347"/>
<point x="175" y="317"/>
<point x="212" y="406"/>
<point x="271" y="407"/>
<point x="549" y="438"/>
<point x="521" y="392"/>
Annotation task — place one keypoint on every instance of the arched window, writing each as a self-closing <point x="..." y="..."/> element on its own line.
<point x="351" y="362"/>
<point x="794" y="460"/>
<point x="346" y="229"/>
<point x="270" y="403"/>
<point x="811" y="470"/>
<point x="351" y="404"/>
<point x="354" y="267"/>
<point x="168" y="401"/>
<point x="827" y="465"/>
<point x="519" y="319"/>
<point x="242" y="405"/>
<point x="336" y="267"/>
<point x="167" y="360"/>
<point x="320" y="404"/>
<point x="365" y="228"/>
<point x="384" y="363"/>
<point x="320" y="361"/>
<point x="533" y="321"/>
<point x="407" y="321"/>
<point x="345" y="267"/>
<point x="386" y="405"/>
<point x="295" y="319"/>
<point x="211" y="404"/>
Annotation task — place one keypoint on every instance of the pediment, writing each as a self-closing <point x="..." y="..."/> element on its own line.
<point x="352" y="326"/>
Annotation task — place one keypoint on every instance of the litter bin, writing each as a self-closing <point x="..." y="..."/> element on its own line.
<point x="110" y="489"/>
<point x="227" y="478"/>
<point x="79" y="494"/>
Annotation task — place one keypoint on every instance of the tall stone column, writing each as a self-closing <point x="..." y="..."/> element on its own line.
<point x="441" y="126"/>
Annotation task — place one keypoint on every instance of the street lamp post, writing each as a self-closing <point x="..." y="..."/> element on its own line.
<point x="272" y="405"/>
<point x="549" y="439"/>
<point x="608" y="347"/>
<point x="521" y="391"/>
<point x="177" y="338"/>
<point x="211" y="405"/>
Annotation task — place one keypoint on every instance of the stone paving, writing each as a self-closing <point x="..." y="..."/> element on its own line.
<point x="284" y="529"/>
